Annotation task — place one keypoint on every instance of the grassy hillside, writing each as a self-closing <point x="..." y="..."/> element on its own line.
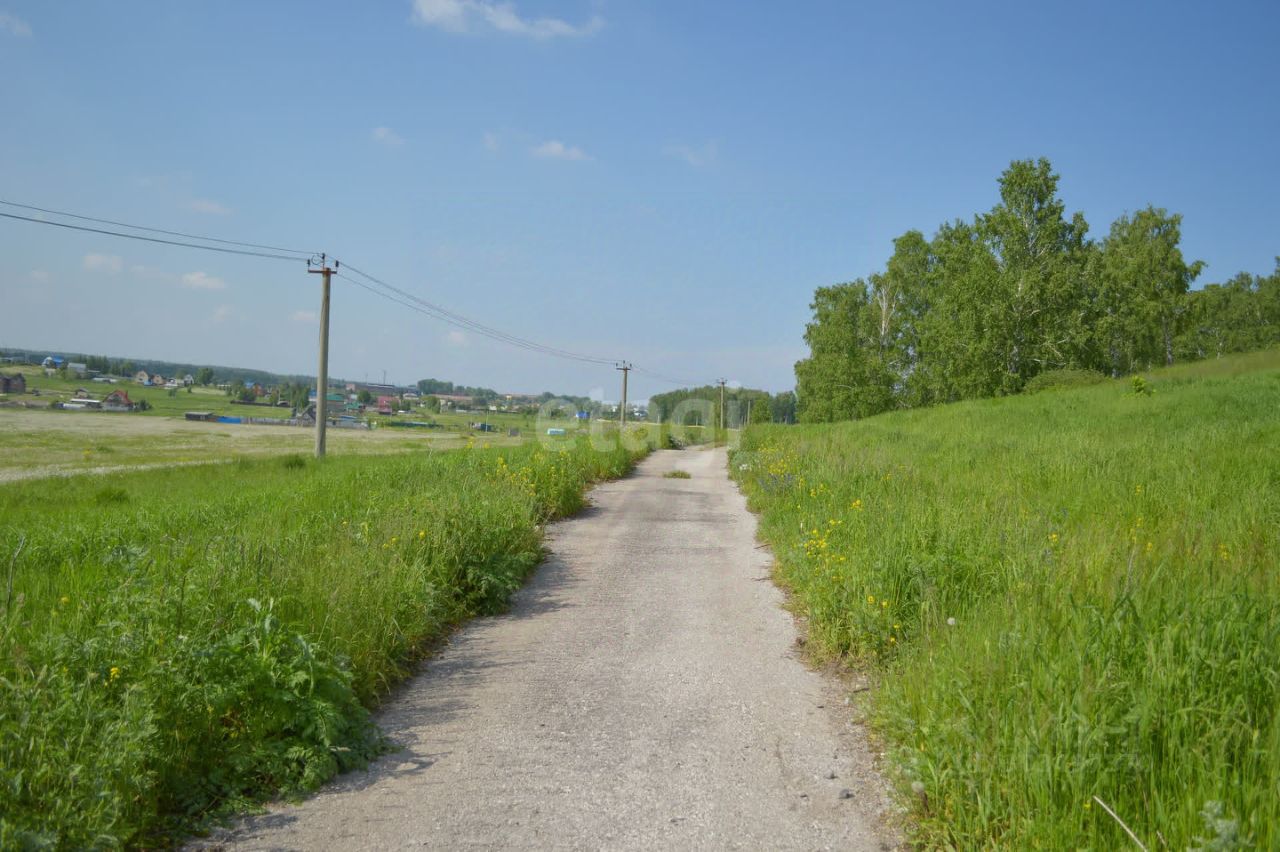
<point x="174" y="643"/>
<point x="1068" y="595"/>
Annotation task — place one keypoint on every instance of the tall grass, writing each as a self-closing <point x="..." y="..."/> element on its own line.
<point x="1068" y="596"/>
<point x="177" y="643"/>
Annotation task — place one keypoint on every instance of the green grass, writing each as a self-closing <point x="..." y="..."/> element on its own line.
<point x="676" y="474"/>
<point x="175" y="644"/>
<point x="1066" y="595"/>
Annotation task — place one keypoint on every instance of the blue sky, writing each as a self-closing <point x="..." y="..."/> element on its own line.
<point x="665" y="182"/>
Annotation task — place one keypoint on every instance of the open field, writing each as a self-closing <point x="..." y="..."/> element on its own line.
<point x="1070" y="598"/>
<point x="175" y="644"/>
<point x="35" y="443"/>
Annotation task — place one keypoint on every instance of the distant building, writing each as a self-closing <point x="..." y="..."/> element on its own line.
<point x="77" y="369"/>
<point x="53" y="362"/>
<point x="453" y="400"/>
<point x="13" y="384"/>
<point x="142" y="377"/>
<point x="117" y="400"/>
<point x="188" y="380"/>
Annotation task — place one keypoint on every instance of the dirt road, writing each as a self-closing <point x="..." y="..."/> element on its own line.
<point x="643" y="692"/>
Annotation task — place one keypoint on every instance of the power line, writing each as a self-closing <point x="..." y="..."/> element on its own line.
<point x="388" y="291"/>
<point x="244" y="252"/>
<point x="152" y="230"/>
<point x="445" y="315"/>
<point x="438" y="312"/>
<point x="668" y="379"/>
<point x="409" y="301"/>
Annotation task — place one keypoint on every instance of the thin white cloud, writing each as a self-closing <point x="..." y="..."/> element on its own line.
<point x="456" y="338"/>
<point x="149" y="273"/>
<point x="471" y="16"/>
<point x="39" y="275"/>
<point x="14" y="25"/>
<point x="112" y="263"/>
<point x="696" y="156"/>
<point x="205" y="205"/>
<point x="387" y="136"/>
<point x="554" y="149"/>
<point x="491" y="141"/>
<point x="221" y="313"/>
<point x="305" y="317"/>
<point x="202" y="281"/>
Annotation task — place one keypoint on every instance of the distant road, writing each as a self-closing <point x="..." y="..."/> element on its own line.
<point x="643" y="693"/>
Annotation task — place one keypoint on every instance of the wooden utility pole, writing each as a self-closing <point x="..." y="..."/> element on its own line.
<point x="723" y="425"/>
<point x="625" y="368"/>
<point x="322" y="374"/>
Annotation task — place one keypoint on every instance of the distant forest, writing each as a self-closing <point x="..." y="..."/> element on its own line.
<point x="742" y="405"/>
<point x="988" y="304"/>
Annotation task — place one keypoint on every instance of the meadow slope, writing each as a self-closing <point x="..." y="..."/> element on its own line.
<point x="1071" y="598"/>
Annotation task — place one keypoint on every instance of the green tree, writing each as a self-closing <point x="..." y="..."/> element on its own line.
<point x="760" y="411"/>
<point x="842" y="379"/>
<point x="1038" y="310"/>
<point x="1144" y="289"/>
<point x="204" y="376"/>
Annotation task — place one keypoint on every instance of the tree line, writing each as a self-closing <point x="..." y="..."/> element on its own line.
<point x="988" y="304"/>
<point x="742" y="405"/>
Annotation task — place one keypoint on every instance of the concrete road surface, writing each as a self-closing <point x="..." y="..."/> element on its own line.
<point x="643" y="692"/>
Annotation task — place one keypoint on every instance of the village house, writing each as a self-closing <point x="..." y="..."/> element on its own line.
<point x="16" y="383"/>
<point x="142" y="377"/>
<point x="117" y="400"/>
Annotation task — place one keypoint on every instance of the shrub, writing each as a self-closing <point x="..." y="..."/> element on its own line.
<point x="1062" y="380"/>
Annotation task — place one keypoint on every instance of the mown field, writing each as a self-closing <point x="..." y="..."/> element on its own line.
<point x="177" y="643"/>
<point x="44" y="443"/>
<point x="1071" y="600"/>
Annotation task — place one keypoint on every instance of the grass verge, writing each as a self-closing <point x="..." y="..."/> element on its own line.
<point x="1071" y="599"/>
<point x="175" y="645"/>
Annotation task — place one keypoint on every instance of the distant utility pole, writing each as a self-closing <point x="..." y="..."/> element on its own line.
<point x="625" y="368"/>
<point x="723" y="425"/>
<point x="322" y="375"/>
